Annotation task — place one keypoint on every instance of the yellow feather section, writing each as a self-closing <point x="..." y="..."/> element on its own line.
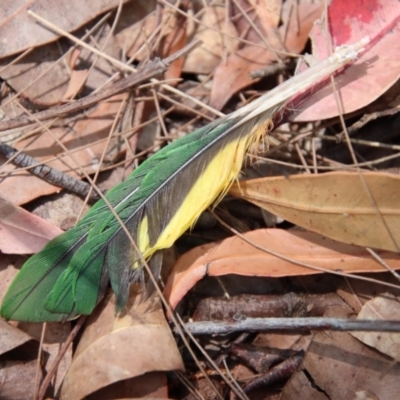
<point x="211" y="186"/>
<point x="143" y="236"/>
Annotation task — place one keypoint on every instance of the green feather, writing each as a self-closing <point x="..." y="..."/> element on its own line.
<point x="157" y="203"/>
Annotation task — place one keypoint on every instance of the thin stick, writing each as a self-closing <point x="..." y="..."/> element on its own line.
<point x="151" y="69"/>
<point x="126" y="67"/>
<point x="60" y="355"/>
<point x="292" y="324"/>
<point x="48" y="174"/>
<point x="39" y="361"/>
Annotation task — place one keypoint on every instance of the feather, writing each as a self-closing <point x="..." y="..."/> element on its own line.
<point x="158" y="202"/>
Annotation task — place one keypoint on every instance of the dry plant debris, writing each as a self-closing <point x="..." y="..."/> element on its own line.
<point x="248" y="47"/>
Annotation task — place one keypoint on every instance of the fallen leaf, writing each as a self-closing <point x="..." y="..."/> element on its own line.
<point x="23" y="76"/>
<point x="41" y="77"/>
<point x="28" y="335"/>
<point x="55" y="336"/>
<point x="119" y="348"/>
<point x="204" y="59"/>
<point x="236" y="256"/>
<point x="381" y="308"/>
<point x="175" y="41"/>
<point x="234" y="73"/>
<point x="334" y="204"/>
<point x="84" y="136"/>
<point x="138" y="23"/>
<point x="60" y="209"/>
<point x="9" y="267"/>
<point x="76" y="83"/>
<point x="11" y="337"/>
<point x="373" y="73"/>
<point x="152" y="385"/>
<point x="341" y="367"/>
<point x="23" y="232"/>
<point x="23" y="31"/>
<point x="18" y="377"/>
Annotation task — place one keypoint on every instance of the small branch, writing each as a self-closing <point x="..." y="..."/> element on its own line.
<point x="293" y="324"/>
<point x="60" y="355"/>
<point x="151" y="69"/>
<point x="269" y="70"/>
<point x="54" y="176"/>
<point x="365" y="119"/>
<point x="48" y="174"/>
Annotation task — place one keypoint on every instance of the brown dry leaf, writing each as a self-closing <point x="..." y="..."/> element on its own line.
<point x="60" y="209"/>
<point x="56" y="334"/>
<point x="268" y="10"/>
<point x="79" y="134"/>
<point x="23" y="32"/>
<point x="17" y="379"/>
<point x="175" y="41"/>
<point x="340" y="367"/>
<point x="11" y="337"/>
<point x="9" y="265"/>
<point x="236" y="256"/>
<point x="234" y="74"/>
<point x="360" y="292"/>
<point x="138" y="24"/>
<point x="61" y="79"/>
<point x="76" y="83"/>
<point x="54" y="338"/>
<point x="47" y="90"/>
<point x="335" y="204"/>
<point x="113" y="348"/>
<point x="23" y="232"/>
<point x="204" y="59"/>
<point x="381" y="308"/>
<point x="152" y="385"/>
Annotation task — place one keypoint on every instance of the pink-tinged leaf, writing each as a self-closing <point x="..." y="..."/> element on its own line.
<point x="23" y="232"/>
<point x="374" y="72"/>
<point x="237" y="256"/>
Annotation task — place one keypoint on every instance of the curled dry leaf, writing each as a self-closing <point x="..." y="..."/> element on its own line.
<point x="338" y="204"/>
<point x="381" y="308"/>
<point x="23" y="232"/>
<point x="119" y="348"/>
<point x="373" y="73"/>
<point x="236" y="256"/>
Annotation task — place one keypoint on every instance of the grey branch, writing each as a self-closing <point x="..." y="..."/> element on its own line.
<point x="48" y="174"/>
<point x="292" y="324"/>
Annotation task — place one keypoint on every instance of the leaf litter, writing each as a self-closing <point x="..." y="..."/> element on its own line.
<point x="244" y="35"/>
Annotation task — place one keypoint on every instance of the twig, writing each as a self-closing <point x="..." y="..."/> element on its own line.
<point x="60" y="355"/>
<point x="151" y="69"/>
<point x="364" y="120"/>
<point x="54" y="176"/>
<point x="293" y="324"/>
<point x="48" y="174"/>
<point x="269" y="70"/>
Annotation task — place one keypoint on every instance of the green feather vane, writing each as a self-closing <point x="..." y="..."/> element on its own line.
<point x="158" y="202"/>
